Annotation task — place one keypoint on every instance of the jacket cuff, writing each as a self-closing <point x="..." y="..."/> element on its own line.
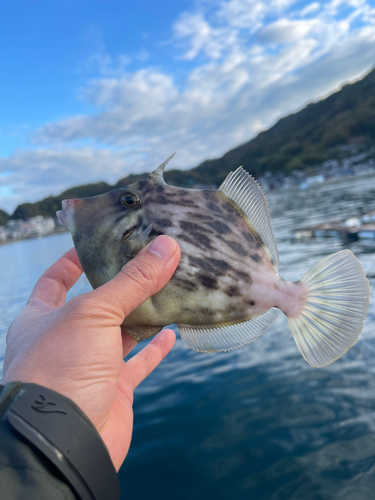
<point x="59" y="429"/>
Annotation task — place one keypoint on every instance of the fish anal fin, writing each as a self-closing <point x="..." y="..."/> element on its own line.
<point x="246" y="195"/>
<point x="228" y="337"/>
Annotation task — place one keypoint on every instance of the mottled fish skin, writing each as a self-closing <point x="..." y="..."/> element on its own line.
<point x="219" y="255"/>
<point x="226" y="285"/>
<point x="224" y="276"/>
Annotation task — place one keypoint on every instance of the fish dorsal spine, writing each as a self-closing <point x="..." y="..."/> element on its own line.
<point x="246" y="195"/>
<point x="157" y="176"/>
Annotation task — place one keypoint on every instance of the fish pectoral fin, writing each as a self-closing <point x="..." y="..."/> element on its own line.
<point x="136" y="244"/>
<point x="246" y="195"/>
<point x="228" y="337"/>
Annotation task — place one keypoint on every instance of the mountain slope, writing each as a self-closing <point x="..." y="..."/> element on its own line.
<point x="298" y="141"/>
<point x="306" y="138"/>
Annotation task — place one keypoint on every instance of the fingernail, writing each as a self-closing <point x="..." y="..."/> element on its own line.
<point x="163" y="246"/>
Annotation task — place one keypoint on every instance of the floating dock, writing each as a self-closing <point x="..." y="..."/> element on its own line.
<point x="352" y="229"/>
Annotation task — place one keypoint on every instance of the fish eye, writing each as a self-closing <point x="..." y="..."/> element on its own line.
<point x="130" y="199"/>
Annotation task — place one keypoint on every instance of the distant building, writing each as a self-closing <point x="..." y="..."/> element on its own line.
<point x="3" y="234"/>
<point x="39" y="225"/>
<point x="35" y="226"/>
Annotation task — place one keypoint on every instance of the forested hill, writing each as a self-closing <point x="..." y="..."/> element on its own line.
<point x="306" y="138"/>
<point x="298" y="141"/>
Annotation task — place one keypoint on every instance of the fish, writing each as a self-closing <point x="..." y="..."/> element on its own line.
<point x="226" y="289"/>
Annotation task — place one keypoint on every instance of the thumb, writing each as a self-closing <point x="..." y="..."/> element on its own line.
<point x="140" y="278"/>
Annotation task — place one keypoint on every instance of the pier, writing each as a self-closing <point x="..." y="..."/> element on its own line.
<point x="352" y="229"/>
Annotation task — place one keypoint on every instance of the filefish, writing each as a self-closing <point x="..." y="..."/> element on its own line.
<point x="225" y="290"/>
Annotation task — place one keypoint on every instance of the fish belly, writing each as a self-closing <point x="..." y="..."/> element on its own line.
<point x="223" y="306"/>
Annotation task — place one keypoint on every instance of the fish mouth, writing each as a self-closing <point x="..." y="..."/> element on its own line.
<point x="66" y="215"/>
<point x="66" y="219"/>
<point x="128" y="233"/>
<point x="60" y="215"/>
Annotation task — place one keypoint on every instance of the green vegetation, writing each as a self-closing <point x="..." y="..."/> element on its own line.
<point x="298" y="141"/>
<point x="50" y="205"/>
<point x="306" y="138"/>
<point x="3" y="217"/>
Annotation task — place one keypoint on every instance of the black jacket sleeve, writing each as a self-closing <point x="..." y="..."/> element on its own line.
<point x="27" y="472"/>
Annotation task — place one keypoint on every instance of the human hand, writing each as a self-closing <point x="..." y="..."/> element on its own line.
<point x="77" y="348"/>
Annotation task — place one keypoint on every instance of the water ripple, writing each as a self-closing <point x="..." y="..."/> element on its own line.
<point x="258" y="422"/>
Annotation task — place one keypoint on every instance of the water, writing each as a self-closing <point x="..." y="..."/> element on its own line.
<point x="256" y="423"/>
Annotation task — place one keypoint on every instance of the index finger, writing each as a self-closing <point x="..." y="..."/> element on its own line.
<point x="54" y="283"/>
<point x="145" y="361"/>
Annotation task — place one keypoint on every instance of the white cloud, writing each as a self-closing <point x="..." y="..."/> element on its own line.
<point x="35" y="174"/>
<point x="286" y="31"/>
<point x="311" y="7"/>
<point x="199" y="33"/>
<point x="245" y="72"/>
<point x="250" y="14"/>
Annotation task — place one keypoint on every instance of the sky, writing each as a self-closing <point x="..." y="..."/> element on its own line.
<point x="94" y="90"/>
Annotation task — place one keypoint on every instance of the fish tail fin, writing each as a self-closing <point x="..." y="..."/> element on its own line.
<point x="332" y="317"/>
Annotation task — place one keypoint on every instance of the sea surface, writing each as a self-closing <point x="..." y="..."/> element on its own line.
<point x="258" y="422"/>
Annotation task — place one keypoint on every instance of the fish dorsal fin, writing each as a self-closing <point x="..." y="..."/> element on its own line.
<point x="245" y="193"/>
<point x="226" y="338"/>
<point x="157" y="176"/>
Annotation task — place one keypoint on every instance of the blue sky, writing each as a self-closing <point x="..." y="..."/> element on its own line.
<point x="95" y="90"/>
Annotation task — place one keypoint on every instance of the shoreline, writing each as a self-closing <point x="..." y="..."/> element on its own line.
<point x="58" y="230"/>
<point x="328" y="182"/>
